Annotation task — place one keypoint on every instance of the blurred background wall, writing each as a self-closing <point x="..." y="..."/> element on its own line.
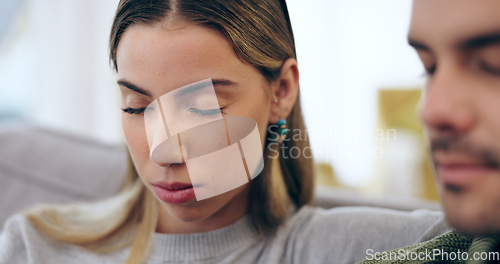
<point x="54" y="70"/>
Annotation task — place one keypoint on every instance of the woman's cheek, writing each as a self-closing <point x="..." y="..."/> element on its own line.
<point x="135" y="135"/>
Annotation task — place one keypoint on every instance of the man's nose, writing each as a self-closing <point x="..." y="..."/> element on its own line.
<point x="447" y="103"/>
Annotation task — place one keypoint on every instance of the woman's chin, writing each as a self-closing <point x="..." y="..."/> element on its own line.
<point x="205" y="215"/>
<point x="192" y="211"/>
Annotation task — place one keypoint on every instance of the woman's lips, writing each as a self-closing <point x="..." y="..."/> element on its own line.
<point x="175" y="193"/>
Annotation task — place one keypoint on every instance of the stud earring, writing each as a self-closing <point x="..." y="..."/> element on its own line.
<point x="282" y="132"/>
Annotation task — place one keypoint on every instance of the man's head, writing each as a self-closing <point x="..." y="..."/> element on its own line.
<point x="458" y="42"/>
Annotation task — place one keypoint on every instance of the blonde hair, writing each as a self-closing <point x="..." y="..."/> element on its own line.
<point x="261" y="34"/>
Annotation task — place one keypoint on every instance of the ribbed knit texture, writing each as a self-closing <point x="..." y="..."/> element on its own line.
<point x="483" y="244"/>
<point x="203" y="246"/>
<point x="308" y="236"/>
<point x="449" y="246"/>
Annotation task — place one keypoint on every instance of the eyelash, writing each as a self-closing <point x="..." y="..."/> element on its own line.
<point x="428" y="72"/>
<point x="484" y="66"/>
<point x="491" y="70"/>
<point x="211" y="112"/>
<point x="134" y="111"/>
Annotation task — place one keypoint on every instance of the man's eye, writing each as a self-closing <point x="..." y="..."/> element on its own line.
<point x="495" y="70"/>
<point x="136" y="111"/>
<point x="429" y="71"/>
<point x="210" y="112"/>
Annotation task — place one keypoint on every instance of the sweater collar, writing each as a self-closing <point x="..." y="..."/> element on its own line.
<point x="205" y="245"/>
<point x="483" y="244"/>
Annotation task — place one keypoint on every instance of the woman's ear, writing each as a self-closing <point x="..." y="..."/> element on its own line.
<point x="285" y="91"/>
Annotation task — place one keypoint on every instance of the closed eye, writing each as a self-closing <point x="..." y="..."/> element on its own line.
<point x="429" y="71"/>
<point x="210" y="112"/>
<point x="489" y="69"/>
<point x="136" y="111"/>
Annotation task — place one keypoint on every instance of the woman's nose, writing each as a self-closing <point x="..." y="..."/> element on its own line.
<point x="168" y="152"/>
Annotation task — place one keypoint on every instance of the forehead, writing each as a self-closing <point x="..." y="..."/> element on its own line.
<point x="155" y="55"/>
<point x="451" y="21"/>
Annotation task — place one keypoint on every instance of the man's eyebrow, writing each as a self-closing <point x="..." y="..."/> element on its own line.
<point x="417" y="44"/>
<point x="481" y="41"/>
<point x="133" y="88"/>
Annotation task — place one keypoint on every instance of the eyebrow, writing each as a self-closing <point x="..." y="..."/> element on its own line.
<point x="223" y="82"/>
<point x="198" y="86"/>
<point x="481" y="41"/>
<point x="133" y="88"/>
<point x="417" y="45"/>
<point x="476" y="42"/>
<point x="193" y="88"/>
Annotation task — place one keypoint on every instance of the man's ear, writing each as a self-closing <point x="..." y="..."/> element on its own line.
<point x="285" y="91"/>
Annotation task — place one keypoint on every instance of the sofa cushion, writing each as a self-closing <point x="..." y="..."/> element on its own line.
<point x="39" y="165"/>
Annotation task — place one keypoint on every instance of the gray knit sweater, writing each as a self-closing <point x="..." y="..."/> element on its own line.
<point x="310" y="235"/>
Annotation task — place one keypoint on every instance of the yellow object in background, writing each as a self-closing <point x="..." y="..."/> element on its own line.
<point x="404" y="168"/>
<point x="325" y="175"/>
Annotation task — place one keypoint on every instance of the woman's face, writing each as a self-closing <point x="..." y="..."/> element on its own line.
<point x="156" y="59"/>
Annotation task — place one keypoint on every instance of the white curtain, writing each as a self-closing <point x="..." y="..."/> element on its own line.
<point x="8" y="10"/>
<point x="347" y="49"/>
<point x="59" y="66"/>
